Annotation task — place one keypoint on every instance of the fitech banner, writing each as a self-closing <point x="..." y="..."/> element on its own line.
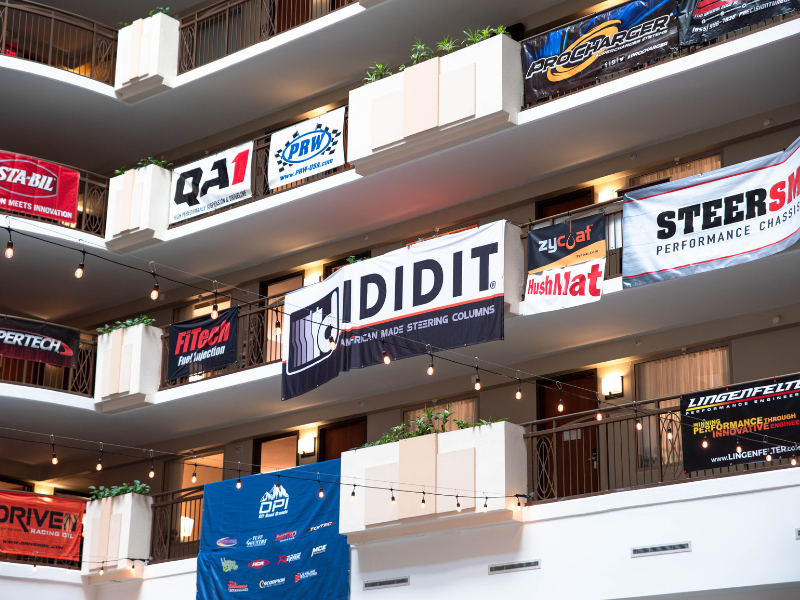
<point x="719" y="219"/>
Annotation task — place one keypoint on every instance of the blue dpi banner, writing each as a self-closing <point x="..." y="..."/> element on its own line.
<point x="275" y="537"/>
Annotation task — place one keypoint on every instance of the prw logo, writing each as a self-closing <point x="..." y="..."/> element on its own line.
<point x="274" y="502"/>
<point x="302" y="148"/>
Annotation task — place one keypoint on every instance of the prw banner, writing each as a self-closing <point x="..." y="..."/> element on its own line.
<point x="703" y="20"/>
<point x="307" y="148"/>
<point x="35" y="187"/>
<point x="43" y="526"/>
<point x="447" y="292"/>
<point x="211" y="183"/>
<point x="711" y="221"/>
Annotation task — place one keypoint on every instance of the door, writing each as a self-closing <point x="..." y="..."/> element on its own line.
<point x="336" y="439"/>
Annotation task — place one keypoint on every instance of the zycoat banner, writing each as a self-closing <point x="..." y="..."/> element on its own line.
<point x="307" y="148"/>
<point x="39" y="342"/>
<point x="203" y="344"/>
<point x="43" y="526"/>
<point x="703" y="20"/>
<point x="710" y="221"/>
<point x="741" y="415"/>
<point x="601" y="44"/>
<point x="35" y="187"/>
<point x="275" y="537"/>
<point x="211" y="183"/>
<point x="446" y="292"/>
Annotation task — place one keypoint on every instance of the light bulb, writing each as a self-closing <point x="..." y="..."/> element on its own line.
<point x="277" y="327"/>
<point x="458" y="506"/>
<point x="485" y="507"/>
<point x="518" y="395"/>
<point x="194" y="477"/>
<point x="705" y="442"/>
<point x="152" y="472"/>
<point x="386" y="359"/>
<point x="669" y="433"/>
<point x="738" y="447"/>
<point x="560" y="406"/>
<point x="519" y="506"/>
<point x="321" y="493"/>
<point x="9" y="249"/>
<point x="353" y="495"/>
<point x="34" y="569"/>
<point x="154" y="293"/>
<point x="332" y="343"/>
<point x="430" y="368"/>
<point x="769" y="457"/>
<point x="102" y="570"/>
<point x="477" y="382"/>
<point x="392" y="499"/>
<point x="55" y="459"/>
<point x="239" y="483"/>
<point x="423" y="502"/>
<point x="99" y="466"/>
<point x="79" y="271"/>
<point x="599" y="416"/>
<point x="132" y="568"/>
<point x="214" y="311"/>
<point x="638" y="425"/>
<point x="793" y="461"/>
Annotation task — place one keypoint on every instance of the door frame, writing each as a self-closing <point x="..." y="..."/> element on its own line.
<point x="323" y="429"/>
<point x="271" y="438"/>
<point x="565" y="378"/>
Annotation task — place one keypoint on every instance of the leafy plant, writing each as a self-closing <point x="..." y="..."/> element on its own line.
<point x="159" y="9"/>
<point x="502" y="30"/>
<point x="120" y="490"/>
<point x="354" y="259"/>
<point x="377" y="72"/>
<point x="473" y="37"/>
<point x="140" y="320"/>
<point x="447" y="45"/>
<point x="143" y="163"/>
<point x="420" y="52"/>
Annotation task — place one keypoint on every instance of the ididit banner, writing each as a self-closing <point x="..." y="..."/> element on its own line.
<point x="35" y="187"/>
<point x="36" y="525"/>
<point x="275" y="537"/>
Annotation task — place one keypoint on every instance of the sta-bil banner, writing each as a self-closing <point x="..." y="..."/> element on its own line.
<point x="39" y="342"/>
<point x="601" y="44"/>
<point x="211" y="183"/>
<point x="704" y="20"/>
<point x="203" y="344"/>
<point x="741" y="415"/>
<point x="711" y="221"/>
<point x="43" y="526"/>
<point x="35" y="187"/>
<point x="307" y="148"/>
<point x="446" y="292"/>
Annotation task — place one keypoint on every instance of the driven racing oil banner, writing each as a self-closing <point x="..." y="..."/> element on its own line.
<point x="211" y="183"/>
<point x="601" y="44"/>
<point x="710" y="221"/>
<point x="275" y="537"/>
<point x="703" y="20"/>
<point x="203" y="344"/>
<point x="35" y="187"/>
<point x="43" y="526"/>
<point x="307" y="148"/>
<point x="39" y="342"/>
<point x="446" y="292"/>
<point x="741" y="414"/>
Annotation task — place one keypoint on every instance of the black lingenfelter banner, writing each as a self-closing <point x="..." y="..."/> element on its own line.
<point x="703" y="20"/>
<point x="745" y="412"/>
<point x="203" y="344"/>
<point x="39" y="342"/>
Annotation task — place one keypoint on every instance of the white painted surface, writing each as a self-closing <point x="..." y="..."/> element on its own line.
<point x="147" y="57"/>
<point x="142" y="218"/>
<point x="140" y="383"/>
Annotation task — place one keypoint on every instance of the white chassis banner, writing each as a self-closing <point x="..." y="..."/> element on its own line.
<point x="307" y="148"/>
<point x="564" y="287"/>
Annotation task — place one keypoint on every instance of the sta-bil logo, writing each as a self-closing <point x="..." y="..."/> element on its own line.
<point x="37" y="181"/>
<point x="274" y="502"/>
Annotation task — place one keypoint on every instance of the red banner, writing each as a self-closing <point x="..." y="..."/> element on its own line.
<point x="39" y="188"/>
<point x="43" y="526"/>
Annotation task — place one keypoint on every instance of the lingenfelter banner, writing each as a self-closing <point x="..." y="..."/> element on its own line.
<point x="741" y="414"/>
<point x="307" y="148"/>
<point x="39" y="342"/>
<point x="203" y="344"/>
<point x="601" y="44"/>
<point x="274" y="538"/>
<point x="711" y="221"/>
<point x="446" y="292"/>
<point x="211" y="183"/>
<point x="36" y="187"/>
<point x="703" y="20"/>
<point x="43" y="526"/>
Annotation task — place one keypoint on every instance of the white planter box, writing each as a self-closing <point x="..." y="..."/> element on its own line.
<point x="138" y="208"/>
<point x="147" y="57"/>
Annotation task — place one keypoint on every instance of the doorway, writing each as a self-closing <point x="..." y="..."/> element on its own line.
<point x="341" y="437"/>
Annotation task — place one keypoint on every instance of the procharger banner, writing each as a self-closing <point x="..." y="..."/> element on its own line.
<point x="39" y="342"/>
<point x="43" y="526"/>
<point x="704" y="20"/>
<point x="741" y="415"/>
<point x="446" y="292"/>
<point x="275" y="537"/>
<point x="211" y="183"/>
<point x="36" y="187"/>
<point x="203" y="344"/>
<point x="307" y="148"/>
<point x="601" y="44"/>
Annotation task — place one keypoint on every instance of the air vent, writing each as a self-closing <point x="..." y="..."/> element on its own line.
<point x="664" y="549"/>
<point x="526" y="565"/>
<point x="387" y="583"/>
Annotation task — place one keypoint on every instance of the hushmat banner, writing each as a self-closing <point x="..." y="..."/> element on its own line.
<point x="275" y="537"/>
<point x="564" y="287"/>
<point x="711" y="221"/>
<point x="43" y="526"/>
<point x="36" y="187"/>
<point x="211" y="183"/>
<point x="741" y="414"/>
<point x="307" y="148"/>
<point x="39" y="342"/>
<point x="601" y="44"/>
<point x="704" y="20"/>
<point x="203" y="344"/>
<point x="446" y="292"/>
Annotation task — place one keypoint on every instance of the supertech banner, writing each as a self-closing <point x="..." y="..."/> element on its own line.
<point x="710" y="221"/>
<point x="446" y="292"/>
<point x="39" y="342"/>
<point x="601" y="44"/>
<point x="274" y="538"/>
<point x="307" y="148"/>
<point x="211" y="183"/>
<point x="741" y="414"/>
<point x="703" y="20"/>
<point x="203" y="344"/>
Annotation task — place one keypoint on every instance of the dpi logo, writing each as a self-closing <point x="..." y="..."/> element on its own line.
<point x="274" y="502"/>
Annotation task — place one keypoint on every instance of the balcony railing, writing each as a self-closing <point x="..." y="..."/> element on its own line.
<point x="58" y="39"/>
<point x="176" y="524"/>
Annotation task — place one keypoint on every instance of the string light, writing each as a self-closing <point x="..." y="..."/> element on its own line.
<point x="79" y="270"/>
<point x="392" y="491"/>
<point x="599" y="416"/>
<point x="102" y="568"/>
<point x="793" y="460"/>
<point x="458" y="504"/>
<point x="477" y="376"/>
<point x="430" y="366"/>
<point x="669" y="432"/>
<point x="194" y="473"/>
<point x="638" y="424"/>
<point x="738" y="446"/>
<point x="132" y="566"/>
<point x="239" y="478"/>
<point x="321" y="493"/>
<point x="278" y="485"/>
<point x="332" y="342"/>
<point x="99" y="465"/>
<point x="386" y="359"/>
<point x="214" y="310"/>
<point x="53" y="442"/>
<point x="423" y="499"/>
<point x="277" y="327"/>
<point x="34" y="569"/>
<point x="353" y="494"/>
<point x="154" y="293"/>
<point x="560" y="399"/>
<point x="10" y="245"/>
<point x="152" y="466"/>
<point x="519" y="506"/>
<point x="486" y="504"/>
<point x="705" y="442"/>
<point x="518" y="395"/>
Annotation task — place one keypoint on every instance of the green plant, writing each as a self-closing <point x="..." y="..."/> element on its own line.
<point x="502" y="30"/>
<point x="353" y="259"/>
<point x="447" y="45"/>
<point x="120" y="490"/>
<point x="140" y="320"/>
<point x="153" y="161"/>
<point x="473" y="37"/>
<point x="377" y="72"/>
<point x="159" y="9"/>
<point x="420" y="52"/>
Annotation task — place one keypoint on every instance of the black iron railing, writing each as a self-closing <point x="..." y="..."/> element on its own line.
<point x="176" y="524"/>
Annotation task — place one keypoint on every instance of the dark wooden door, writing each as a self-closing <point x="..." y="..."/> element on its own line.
<point x="564" y="203"/>
<point x="341" y="438"/>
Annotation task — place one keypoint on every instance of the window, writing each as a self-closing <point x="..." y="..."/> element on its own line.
<point x="276" y="453"/>
<point x="680" y="170"/>
<point x="282" y="286"/>
<point x="462" y="410"/>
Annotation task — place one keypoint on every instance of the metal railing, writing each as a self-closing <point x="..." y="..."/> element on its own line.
<point x="41" y="561"/>
<point x="232" y="25"/>
<point x="58" y="39"/>
<point x="176" y="524"/>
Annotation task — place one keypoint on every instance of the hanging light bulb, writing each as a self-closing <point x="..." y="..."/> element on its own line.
<point x="194" y="474"/>
<point x="519" y="506"/>
<point x="54" y="460"/>
<point x="518" y="395"/>
<point x="152" y="466"/>
<point x="99" y="465"/>
<point x="278" y="485"/>
<point x="599" y="416"/>
<point x="386" y="359"/>
<point x="486" y="504"/>
<point x="392" y="490"/>
<point x="423" y="499"/>
<point x="214" y="311"/>
<point x="793" y="461"/>
<point x="477" y="380"/>
<point x="239" y="478"/>
<point x="103" y="568"/>
<point x="238" y="483"/>
<point x="277" y="327"/>
<point x="769" y="457"/>
<point x="321" y="492"/>
<point x="705" y="442"/>
<point x="132" y="567"/>
<point x="332" y="342"/>
<point x="34" y="569"/>
<point x="638" y="425"/>
<point x="10" y="245"/>
<point x="458" y="504"/>
<point x="79" y="270"/>
<point x="738" y="446"/>
<point x="154" y="293"/>
<point x="353" y="493"/>
<point x="430" y="367"/>
<point x="669" y="432"/>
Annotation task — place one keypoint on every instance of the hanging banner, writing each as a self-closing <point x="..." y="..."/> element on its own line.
<point x="704" y="20"/>
<point x="446" y="292"/>
<point x="274" y="538"/>
<point x="601" y="44"/>
<point x="39" y="342"/>
<point x="307" y="148"/>
<point x="203" y="344"/>
<point x="43" y="526"/>
<point x="39" y="188"/>
<point x="711" y="221"/>
<point x="741" y="415"/>
<point x="211" y="183"/>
